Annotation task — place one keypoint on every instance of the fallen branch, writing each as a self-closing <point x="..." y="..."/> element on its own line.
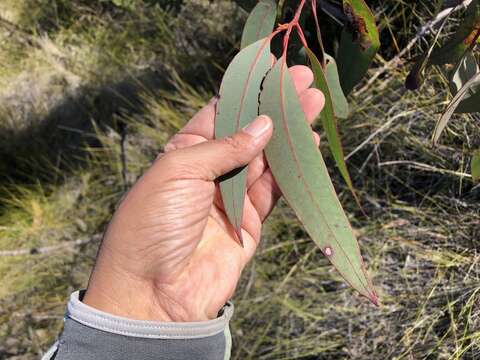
<point x="49" y="249"/>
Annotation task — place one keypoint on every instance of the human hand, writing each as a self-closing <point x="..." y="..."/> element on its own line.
<point x="169" y="253"/>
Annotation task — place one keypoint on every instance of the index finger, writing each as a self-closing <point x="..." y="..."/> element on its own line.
<point x="203" y="123"/>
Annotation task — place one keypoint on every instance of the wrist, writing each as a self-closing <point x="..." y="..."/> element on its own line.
<point x="114" y="290"/>
<point x="125" y="297"/>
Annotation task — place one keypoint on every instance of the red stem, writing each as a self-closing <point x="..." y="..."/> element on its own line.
<point x="301" y="35"/>
<point x="290" y="26"/>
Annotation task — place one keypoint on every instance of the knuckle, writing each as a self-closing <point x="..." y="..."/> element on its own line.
<point x="174" y="166"/>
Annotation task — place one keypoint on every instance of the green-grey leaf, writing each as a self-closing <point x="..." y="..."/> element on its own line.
<point x="236" y="108"/>
<point x="465" y="70"/>
<point x="476" y="166"/>
<point x="302" y="175"/>
<point x="340" y="103"/>
<point x="260" y="23"/>
<point x="329" y="122"/>
<point x="445" y="118"/>
<point x="359" y="43"/>
<point x="471" y="103"/>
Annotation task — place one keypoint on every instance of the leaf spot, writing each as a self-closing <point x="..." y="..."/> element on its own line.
<point x="328" y="251"/>
<point x="357" y="27"/>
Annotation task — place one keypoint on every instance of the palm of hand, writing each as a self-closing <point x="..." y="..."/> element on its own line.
<point x="172" y="232"/>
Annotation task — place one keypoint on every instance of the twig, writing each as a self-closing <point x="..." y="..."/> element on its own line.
<point x="378" y="131"/>
<point x="425" y="29"/>
<point x="49" y="249"/>
<point x="425" y="167"/>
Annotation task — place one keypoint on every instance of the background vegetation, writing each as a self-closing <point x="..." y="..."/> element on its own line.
<point x="91" y="90"/>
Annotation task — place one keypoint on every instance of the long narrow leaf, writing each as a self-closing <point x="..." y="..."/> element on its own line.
<point x="359" y="43"/>
<point x="470" y="104"/>
<point x="464" y="71"/>
<point x="445" y="118"/>
<point x="260" y="22"/>
<point x="238" y="106"/>
<point x="302" y="175"/>
<point x="340" y="103"/>
<point x="329" y="122"/>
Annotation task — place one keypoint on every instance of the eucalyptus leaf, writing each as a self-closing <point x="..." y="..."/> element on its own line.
<point x="302" y="175"/>
<point x="471" y="104"/>
<point x="260" y="23"/>
<point x="465" y="70"/>
<point x="236" y="108"/>
<point x="329" y="122"/>
<point x="476" y="166"/>
<point x="447" y="114"/>
<point x="359" y="43"/>
<point x="416" y="75"/>
<point x="340" y="103"/>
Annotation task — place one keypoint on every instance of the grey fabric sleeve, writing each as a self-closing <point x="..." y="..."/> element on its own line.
<point x="90" y="334"/>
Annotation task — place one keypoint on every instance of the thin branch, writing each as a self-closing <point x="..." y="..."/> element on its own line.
<point x="425" y="167"/>
<point x="68" y="245"/>
<point x="378" y="131"/>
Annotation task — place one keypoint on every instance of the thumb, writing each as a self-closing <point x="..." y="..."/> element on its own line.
<point x="212" y="159"/>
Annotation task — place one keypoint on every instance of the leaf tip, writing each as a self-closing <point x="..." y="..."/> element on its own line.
<point x="413" y="81"/>
<point x="238" y="232"/>
<point x="373" y="297"/>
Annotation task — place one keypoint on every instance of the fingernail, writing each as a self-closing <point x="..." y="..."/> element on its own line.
<point x="259" y="126"/>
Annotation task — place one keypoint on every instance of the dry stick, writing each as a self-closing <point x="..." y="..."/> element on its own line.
<point x="378" y="131"/>
<point x="425" y="167"/>
<point x="425" y="29"/>
<point x="49" y="249"/>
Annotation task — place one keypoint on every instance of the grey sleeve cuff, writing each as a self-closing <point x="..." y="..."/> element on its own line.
<point x="92" y="334"/>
